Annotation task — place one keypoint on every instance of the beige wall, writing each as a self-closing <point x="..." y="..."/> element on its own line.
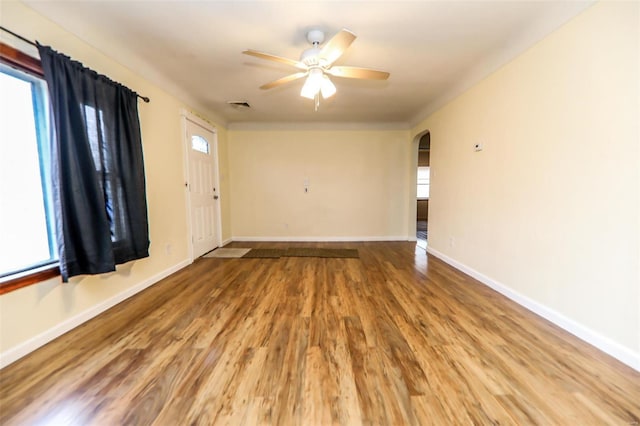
<point x="549" y="210"/>
<point x="357" y="184"/>
<point x="225" y="183"/>
<point x="29" y="315"/>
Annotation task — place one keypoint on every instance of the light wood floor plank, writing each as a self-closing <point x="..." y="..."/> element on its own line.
<point x="395" y="337"/>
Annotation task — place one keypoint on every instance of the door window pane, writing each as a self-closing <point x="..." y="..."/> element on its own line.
<point x="199" y="143"/>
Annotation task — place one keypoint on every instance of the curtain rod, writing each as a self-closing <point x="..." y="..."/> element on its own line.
<point x="144" y="98"/>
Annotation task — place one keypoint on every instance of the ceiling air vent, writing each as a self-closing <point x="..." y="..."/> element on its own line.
<point x="240" y="105"/>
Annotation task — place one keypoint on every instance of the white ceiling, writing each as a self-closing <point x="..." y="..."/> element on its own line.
<point x="433" y="49"/>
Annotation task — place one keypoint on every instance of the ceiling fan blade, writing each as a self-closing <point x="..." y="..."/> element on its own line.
<point x="283" y="80"/>
<point x="335" y="47"/>
<point x="271" y="57"/>
<point x="356" y="72"/>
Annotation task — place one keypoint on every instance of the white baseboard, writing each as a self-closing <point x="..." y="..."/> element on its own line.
<point x="321" y="239"/>
<point x="13" y="354"/>
<point x="606" y="345"/>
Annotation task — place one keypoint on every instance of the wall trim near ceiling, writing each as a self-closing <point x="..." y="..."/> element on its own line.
<point x="605" y="344"/>
<point x="13" y="354"/>
<point x="318" y="126"/>
<point x="194" y="117"/>
<point x="320" y="239"/>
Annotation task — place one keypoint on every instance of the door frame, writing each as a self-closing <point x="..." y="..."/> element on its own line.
<point x="188" y="115"/>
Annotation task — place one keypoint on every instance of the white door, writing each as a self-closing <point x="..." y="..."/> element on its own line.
<point x="203" y="187"/>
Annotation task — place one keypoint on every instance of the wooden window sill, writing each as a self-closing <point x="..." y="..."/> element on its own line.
<point x="28" y="278"/>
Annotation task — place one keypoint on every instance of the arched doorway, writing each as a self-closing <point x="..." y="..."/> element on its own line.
<point x="422" y="189"/>
<point x="423" y="156"/>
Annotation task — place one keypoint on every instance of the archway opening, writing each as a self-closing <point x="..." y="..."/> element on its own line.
<point x="423" y="180"/>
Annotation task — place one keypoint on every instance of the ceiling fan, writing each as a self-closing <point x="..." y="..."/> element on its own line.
<point x="316" y="64"/>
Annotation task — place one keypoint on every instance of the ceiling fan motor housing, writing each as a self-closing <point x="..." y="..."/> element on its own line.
<point x="310" y="57"/>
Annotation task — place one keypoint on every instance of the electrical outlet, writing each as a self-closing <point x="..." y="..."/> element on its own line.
<point x="452" y="242"/>
<point x="168" y="249"/>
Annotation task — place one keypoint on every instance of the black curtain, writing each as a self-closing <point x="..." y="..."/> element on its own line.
<point x="98" y="172"/>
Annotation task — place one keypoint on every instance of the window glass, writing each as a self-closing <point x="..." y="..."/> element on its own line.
<point x="198" y="143"/>
<point x="25" y="225"/>
<point x="94" y="120"/>
<point x="423" y="182"/>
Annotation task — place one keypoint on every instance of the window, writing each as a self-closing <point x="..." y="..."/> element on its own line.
<point x="27" y="247"/>
<point x="97" y="168"/>
<point x="28" y="244"/>
<point x="25" y="206"/>
<point x="112" y="186"/>
<point x="198" y="143"/>
<point x="423" y="182"/>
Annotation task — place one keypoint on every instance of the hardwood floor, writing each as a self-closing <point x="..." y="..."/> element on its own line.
<point x="421" y="233"/>
<point x="392" y="338"/>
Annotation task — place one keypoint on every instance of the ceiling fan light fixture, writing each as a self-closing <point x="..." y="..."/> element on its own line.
<point x="327" y="88"/>
<point x="313" y="84"/>
<point x="308" y="91"/>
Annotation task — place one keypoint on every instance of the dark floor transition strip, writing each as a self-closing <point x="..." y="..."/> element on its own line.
<point x="321" y="252"/>
<point x="271" y="253"/>
<point x="264" y="253"/>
